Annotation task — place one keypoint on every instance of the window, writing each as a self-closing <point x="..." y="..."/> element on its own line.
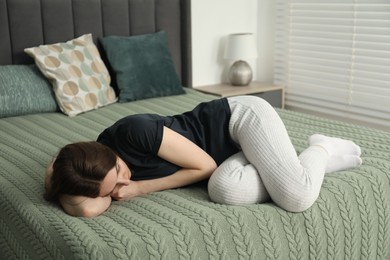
<point x="334" y="57"/>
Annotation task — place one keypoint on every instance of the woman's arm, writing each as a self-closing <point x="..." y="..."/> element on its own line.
<point x="196" y="165"/>
<point x="81" y="206"/>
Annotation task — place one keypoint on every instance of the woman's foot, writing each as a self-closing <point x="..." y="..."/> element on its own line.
<point x="335" y="146"/>
<point x="342" y="162"/>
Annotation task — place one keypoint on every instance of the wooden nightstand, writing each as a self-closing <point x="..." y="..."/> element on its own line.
<point x="272" y="93"/>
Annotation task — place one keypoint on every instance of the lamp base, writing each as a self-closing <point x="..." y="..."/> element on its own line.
<point x="240" y="73"/>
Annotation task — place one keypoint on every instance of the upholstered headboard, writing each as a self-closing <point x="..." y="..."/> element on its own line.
<point x="27" y="23"/>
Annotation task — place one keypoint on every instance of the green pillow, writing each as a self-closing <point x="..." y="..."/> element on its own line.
<point x="142" y="65"/>
<point x="24" y="90"/>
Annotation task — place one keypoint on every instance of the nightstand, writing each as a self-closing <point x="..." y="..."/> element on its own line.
<point x="274" y="94"/>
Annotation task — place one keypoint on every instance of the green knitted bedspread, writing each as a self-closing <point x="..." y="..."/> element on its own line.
<point x="350" y="220"/>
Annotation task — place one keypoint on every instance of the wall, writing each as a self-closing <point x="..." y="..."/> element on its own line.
<point x="213" y="20"/>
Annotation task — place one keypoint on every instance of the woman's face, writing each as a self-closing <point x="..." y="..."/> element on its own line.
<point x="119" y="175"/>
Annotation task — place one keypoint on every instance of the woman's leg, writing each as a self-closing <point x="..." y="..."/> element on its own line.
<point x="237" y="182"/>
<point x="292" y="182"/>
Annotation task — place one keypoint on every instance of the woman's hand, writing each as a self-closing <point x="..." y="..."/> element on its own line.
<point x="124" y="192"/>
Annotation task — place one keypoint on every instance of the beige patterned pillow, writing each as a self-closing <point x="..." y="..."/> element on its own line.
<point x="80" y="79"/>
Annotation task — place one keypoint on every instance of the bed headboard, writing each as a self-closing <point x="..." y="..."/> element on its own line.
<point x="27" y="23"/>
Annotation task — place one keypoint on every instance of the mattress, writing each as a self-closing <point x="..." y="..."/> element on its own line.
<point x="350" y="219"/>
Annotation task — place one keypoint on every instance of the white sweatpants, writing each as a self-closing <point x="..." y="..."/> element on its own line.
<point x="268" y="164"/>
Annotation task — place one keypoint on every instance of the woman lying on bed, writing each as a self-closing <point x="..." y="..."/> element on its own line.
<point x="240" y="144"/>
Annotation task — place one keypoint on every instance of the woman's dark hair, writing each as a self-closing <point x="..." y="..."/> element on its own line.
<point x="79" y="169"/>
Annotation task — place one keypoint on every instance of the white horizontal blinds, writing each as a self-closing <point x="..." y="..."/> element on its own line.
<point x="334" y="56"/>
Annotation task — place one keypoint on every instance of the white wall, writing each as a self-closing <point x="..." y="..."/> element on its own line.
<point x="213" y="20"/>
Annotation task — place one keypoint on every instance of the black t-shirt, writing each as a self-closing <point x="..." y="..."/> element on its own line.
<point x="137" y="138"/>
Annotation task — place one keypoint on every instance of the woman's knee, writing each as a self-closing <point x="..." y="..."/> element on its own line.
<point x="236" y="182"/>
<point x="297" y="201"/>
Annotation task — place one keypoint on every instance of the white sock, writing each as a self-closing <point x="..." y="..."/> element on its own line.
<point x="342" y="162"/>
<point x="334" y="145"/>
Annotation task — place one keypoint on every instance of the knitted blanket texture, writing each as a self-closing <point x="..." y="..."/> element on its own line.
<point x="350" y="219"/>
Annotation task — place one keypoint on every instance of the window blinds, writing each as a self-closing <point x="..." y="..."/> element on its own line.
<point x="333" y="56"/>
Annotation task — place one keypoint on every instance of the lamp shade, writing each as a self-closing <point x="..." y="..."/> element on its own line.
<point x="240" y="46"/>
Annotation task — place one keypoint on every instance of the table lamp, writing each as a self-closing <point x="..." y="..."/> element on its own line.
<point x="240" y="47"/>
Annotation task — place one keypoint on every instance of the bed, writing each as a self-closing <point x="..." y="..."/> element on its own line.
<point x="350" y="219"/>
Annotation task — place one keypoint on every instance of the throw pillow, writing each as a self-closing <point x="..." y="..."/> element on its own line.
<point x="24" y="90"/>
<point x="142" y="65"/>
<point x="80" y="79"/>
